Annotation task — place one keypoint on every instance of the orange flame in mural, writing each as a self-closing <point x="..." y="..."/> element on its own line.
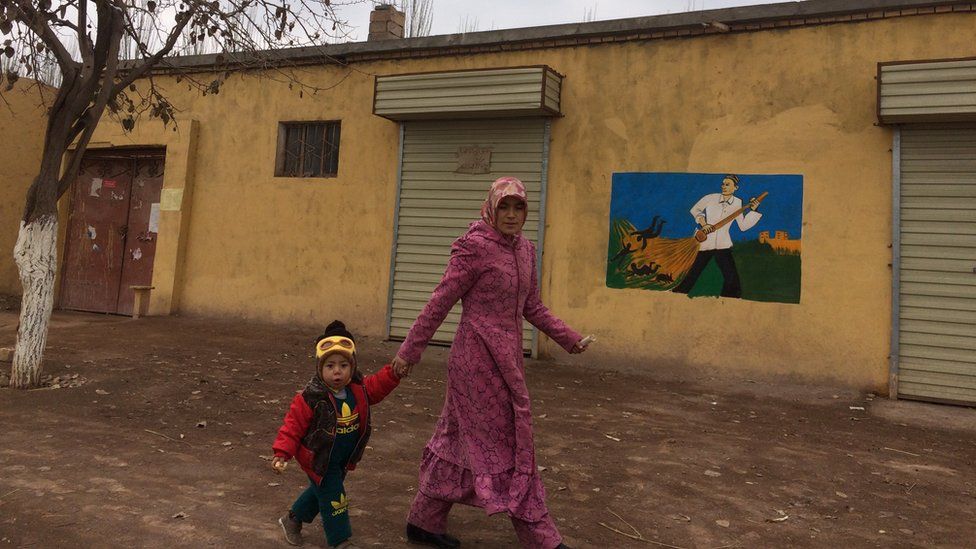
<point x="665" y="260"/>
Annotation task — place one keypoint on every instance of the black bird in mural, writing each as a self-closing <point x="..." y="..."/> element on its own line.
<point x="646" y="270"/>
<point x="664" y="277"/>
<point x="653" y="231"/>
<point x="624" y="252"/>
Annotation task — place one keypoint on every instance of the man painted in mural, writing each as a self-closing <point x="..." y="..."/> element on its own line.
<point x="709" y="212"/>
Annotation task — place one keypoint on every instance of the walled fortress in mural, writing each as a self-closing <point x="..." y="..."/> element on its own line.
<point x="780" y="242"/>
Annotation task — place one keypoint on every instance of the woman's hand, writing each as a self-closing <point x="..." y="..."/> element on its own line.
<point x="279" y="464"/>
<point x="582" y="344"/>
<point x="401" y="367"/>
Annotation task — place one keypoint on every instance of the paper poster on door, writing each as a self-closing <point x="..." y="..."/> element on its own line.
<point x="724" y="235"/>
<point x="154" y="218"/>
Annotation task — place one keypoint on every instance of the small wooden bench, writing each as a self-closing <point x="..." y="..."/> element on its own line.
<point x="141" y="305"/>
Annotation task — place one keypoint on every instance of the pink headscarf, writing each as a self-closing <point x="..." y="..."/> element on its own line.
<point x="502" y="187"/>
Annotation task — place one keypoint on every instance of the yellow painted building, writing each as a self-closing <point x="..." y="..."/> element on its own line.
<point x="788" y="88"/>
<point x="23" y="119"/>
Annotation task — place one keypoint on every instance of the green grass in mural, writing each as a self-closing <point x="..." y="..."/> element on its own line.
<point x="765" y="274"/>
<point x="616" y="279"/>
<point x="615" y="276"/>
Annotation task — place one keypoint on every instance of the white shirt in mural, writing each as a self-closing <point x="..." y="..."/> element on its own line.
<point x="715" y="209"/>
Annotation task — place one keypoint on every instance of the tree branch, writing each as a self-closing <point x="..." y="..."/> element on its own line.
<point x="109" y="17"/>
<point x="62" y="21"/>
<point x="109" y="31"/>
<point x="131" y="75"/>
<point x="93" y="78"/>
<point x="38" y="25"/>
<point x="84" y="41"/>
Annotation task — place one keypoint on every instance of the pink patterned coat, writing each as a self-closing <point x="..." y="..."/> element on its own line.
<point x="484" y="434"/>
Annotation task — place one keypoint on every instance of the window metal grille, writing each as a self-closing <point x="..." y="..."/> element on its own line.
<point x="308" y="149"/>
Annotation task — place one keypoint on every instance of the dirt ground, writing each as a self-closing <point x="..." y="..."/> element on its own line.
<point x="122" y="456"/>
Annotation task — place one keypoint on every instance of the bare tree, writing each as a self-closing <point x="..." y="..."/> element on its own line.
<point x="589" y="14"/>
<point x="468" y="24"/>
<point x="420" y="16"/>
<point x="47" y="69"/>
<point x="119" y="44"/>
<point x="8" y="65"/>
<point x="142" y="31"/>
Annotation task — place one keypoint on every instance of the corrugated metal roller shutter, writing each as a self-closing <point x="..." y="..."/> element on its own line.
<point x="937" y="294"/>
<point x="480" y="93"/>
<point x="437" y="204"/>
<point x="927" y="92"/>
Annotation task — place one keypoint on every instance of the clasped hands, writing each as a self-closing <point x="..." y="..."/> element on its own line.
<point x="401" y="367"/>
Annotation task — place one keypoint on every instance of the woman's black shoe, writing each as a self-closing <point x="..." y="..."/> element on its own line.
<point x="416" y="534"/>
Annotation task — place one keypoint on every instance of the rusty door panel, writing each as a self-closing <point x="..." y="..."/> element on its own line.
<point x="95" y="236"/>
<point x="143" y="229"/>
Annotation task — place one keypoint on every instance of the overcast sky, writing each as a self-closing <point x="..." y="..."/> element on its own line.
<point x="450" y="15"/>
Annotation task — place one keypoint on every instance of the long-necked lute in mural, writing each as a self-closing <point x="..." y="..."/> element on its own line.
<point x="701" y="235"/>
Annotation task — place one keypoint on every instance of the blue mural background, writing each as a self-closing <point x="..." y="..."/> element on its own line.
<point x="640" y="196"/>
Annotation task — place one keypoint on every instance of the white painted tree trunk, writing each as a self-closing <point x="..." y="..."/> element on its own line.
<point x="36" y="258"/>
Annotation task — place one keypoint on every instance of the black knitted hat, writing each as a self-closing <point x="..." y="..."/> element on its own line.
<point x="336" y="328"/>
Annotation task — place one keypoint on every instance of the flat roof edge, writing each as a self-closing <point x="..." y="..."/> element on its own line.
<point x="737" y="16"/>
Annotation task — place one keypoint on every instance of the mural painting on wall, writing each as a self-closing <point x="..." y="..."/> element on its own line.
<point x="727" y="235"/>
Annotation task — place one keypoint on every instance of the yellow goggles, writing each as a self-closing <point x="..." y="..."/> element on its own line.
<point x="335" y="344"/>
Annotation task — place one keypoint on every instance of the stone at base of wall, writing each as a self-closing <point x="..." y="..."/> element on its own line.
<point x="6" y="354"/>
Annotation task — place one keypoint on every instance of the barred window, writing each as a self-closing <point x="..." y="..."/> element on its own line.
<point x="308" y="149"/>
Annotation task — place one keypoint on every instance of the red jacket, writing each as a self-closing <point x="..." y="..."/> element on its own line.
<point x="371" y="390"/>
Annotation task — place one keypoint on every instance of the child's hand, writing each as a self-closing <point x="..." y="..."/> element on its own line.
<point x="279" y="464"/>
<point x="401" y="367"/>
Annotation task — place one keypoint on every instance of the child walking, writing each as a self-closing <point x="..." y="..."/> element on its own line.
<point x="326" y="430"/>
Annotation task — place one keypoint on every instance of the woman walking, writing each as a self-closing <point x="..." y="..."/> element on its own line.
<point x="481" y="452"/>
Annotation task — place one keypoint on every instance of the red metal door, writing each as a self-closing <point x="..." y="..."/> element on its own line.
<point x="143" y="228"/>
<point x="96" y="234"/>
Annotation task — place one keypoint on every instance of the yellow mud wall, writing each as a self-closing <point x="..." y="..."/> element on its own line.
<point x="798" y="101"/>
<point x="23" y="120"/>
<point x="280" y="249"/>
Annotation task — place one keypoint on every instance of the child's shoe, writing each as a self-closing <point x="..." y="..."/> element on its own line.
<point x="416" y="534"/>
<point x="347" y="545"/>
<point x="292" y="528"/>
